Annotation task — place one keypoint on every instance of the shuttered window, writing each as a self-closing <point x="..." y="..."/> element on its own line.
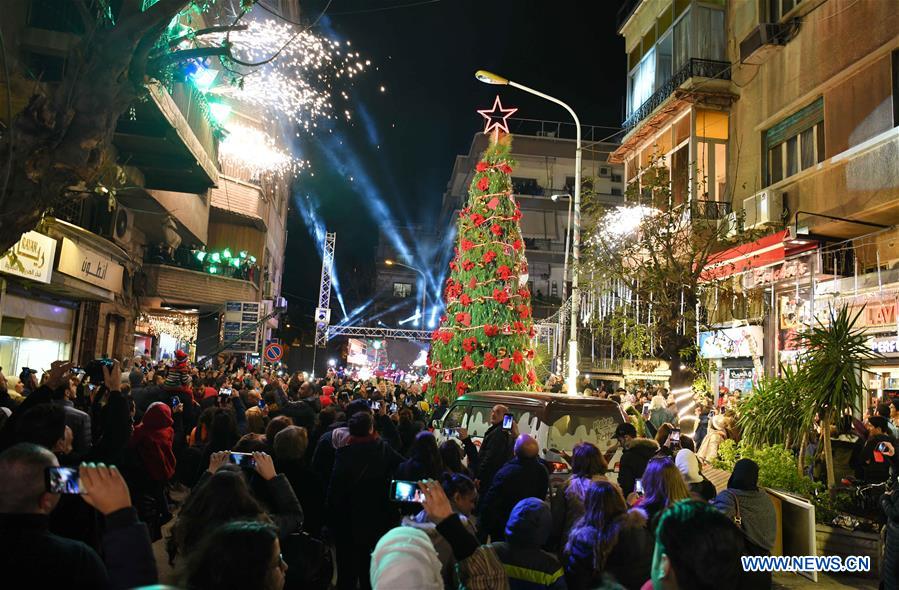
<point x="796" y="143"/>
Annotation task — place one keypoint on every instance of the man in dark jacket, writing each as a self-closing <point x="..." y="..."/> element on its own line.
<point x="303" y="406"/>
<point x="358" y="507"/>
<point x="496" y="448"/>
<point x="636" y="453"/>
<point x="522" y="477"/>
<point x="41" y="559"/>
<point x="530" y="567"/>
<point x="78" y="421"/>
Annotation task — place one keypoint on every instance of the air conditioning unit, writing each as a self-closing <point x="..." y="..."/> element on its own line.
<point x="761" y="42"/>
<point x="122" y="226"/>
<point x="729" y="225"/>
<point x="763" y="208"/>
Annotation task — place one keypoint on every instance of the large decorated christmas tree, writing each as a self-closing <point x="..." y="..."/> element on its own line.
<point x="484" y="339"/>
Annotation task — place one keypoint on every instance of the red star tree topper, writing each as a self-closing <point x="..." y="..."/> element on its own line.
<point x="484" y="341"/>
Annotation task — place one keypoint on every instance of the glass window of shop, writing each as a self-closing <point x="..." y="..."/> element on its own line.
<point x="33" y="334"/>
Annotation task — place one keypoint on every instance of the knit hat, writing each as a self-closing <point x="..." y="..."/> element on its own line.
<point x="405" y="559"/>
<point x="688" y="465"/>
<point x="529" y="523"/>
<point x="180" y="354"/>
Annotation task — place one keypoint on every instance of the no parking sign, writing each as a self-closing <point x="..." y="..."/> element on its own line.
<point x="273" y="352"/>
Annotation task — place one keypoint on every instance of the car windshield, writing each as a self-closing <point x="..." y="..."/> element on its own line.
<point x="570" y="429"/>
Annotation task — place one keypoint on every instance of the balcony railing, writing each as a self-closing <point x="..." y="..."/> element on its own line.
<point x="188" y="259"/>
<point x="694" y="68"/>
<point x="713" y="210"/>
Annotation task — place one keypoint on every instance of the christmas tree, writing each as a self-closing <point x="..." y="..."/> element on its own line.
<point x="484" y="339"/>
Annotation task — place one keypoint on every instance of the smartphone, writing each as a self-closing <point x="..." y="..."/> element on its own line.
<point x="450" y="432"/>
<point x="638" y="487"/>
<point x="392" y="407"/>
<point x="674" y="437"/>
<point x="175" y="401"/>
<point x="261" y="404"/>
<point x="507" y="421"/>
<point x="882" y="447"/>
<point x="645" y="409"/>
<point x="225" y="391"/>
<point x="75" y="370"/>
<point x="63" y="480"/>
<point x="405" y="491"/>
<point x="243" y="460"/>
<point x="375" y="406"/>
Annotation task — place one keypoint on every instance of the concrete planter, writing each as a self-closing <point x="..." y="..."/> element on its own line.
<point x="837" y="541"/>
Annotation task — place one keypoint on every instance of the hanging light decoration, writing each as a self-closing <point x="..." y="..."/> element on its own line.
<point x="180" y="326"/>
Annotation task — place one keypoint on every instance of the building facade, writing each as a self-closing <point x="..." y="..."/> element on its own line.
<point x="119" y="276"/>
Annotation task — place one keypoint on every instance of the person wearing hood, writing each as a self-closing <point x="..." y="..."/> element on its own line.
<point x="528" y="566"/>
<point x="753" y="512"/>
<point x="699" y="486"/>
<point x="636" y="453"/>
<point x="717" y="433"/>
<point x="522" y="477"/>
<point x="358" y="508"/>
<point x="403" y="559"/>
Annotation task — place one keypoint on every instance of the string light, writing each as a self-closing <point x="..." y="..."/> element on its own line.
<point x="181" y="327"/>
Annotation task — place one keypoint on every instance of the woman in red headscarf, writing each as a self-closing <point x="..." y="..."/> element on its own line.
<point x="153" y="464"/>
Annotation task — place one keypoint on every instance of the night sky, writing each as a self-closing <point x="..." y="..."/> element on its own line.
<point x="398" y="150"/>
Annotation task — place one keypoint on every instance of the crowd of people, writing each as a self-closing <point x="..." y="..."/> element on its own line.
<point x="254" y="478"/>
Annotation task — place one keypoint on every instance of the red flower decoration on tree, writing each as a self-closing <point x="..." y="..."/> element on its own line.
<point x="519" y="328"/>
<point x="489" y="360"/>
<point x="466" y="245"/>
<point x="463" y="318"/>
<point x="453" y="265"/>
<point x="505" y="364"/>
<point x="517" y="215"/>
<point x="489" y="256"/>
<point x="467" y="363"/>
<point x="530" y="354"/>
<point x="500" y="295"/>
<point x="445" y="336"/>
<point x="524" y="311"/>
<point x="533" y="332"/>
<point x="482" y="166"/>
<point x="465" y="299"/>
<point x="477" y="218"/>
<point x="516" y="379"/>
<point x="532" y="377"/>
<point x="469" y="344"/>
<point x="467" y="265"/>
<point x="483" y="183"/>
<point x="473" y="283"/>
<point x="496" y="229"/>
<point x="524" y="293"/>
<point x="504" y="272"/>
<point x="517" y="245"/>
<point x="517" y="357"/>
<point x="490" y="330"/>
<point x="493" y="203"/>
<point x="505" y="168"/>
<point x="461" y="387"/>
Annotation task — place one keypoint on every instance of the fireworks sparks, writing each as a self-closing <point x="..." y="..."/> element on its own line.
<point x="299" y="82"/>
<point x="256" y="153"/>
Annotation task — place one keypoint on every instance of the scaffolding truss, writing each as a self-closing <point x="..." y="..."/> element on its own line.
<point x="323" y="312"/>
<point x="363" y="332"/>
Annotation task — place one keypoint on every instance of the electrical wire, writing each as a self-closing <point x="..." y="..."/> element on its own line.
<point x="385" y="8"/>
<point x="283" y="47"/>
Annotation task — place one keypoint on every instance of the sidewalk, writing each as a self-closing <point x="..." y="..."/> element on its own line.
<point x="825" y="581"/>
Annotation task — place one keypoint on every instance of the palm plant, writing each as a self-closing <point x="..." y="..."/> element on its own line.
<point x="836" y="354"/>
<point x="769" y="415"/>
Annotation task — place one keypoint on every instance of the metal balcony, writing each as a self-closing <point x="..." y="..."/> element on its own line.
<point x="694" y="68"/>
<point x="712" y="210"/>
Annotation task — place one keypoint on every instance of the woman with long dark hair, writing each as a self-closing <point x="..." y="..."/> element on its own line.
<point x="237" y="556"/>
<point x="587" y="465"/>
<point x="424" y="460"/>
<point x="609" y="540"/>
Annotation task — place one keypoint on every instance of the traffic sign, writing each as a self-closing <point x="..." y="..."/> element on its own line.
<point x="274" y="352"/>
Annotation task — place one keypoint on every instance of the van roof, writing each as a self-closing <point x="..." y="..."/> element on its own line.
<point x="537" y="399"/>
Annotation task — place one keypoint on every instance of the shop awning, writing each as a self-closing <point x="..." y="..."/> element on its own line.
<point x="765" y="251"/>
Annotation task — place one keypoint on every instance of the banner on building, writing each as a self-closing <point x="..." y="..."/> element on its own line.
<point x="32" y="257"/>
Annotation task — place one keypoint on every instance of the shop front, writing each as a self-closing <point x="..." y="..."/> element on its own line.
<point x="883" y="375"/>
<point x="160" y="334"/>
<point x="737" y="357"/>
<point x="645" y="373"/>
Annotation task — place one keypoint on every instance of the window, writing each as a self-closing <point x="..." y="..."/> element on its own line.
<point x="456" y="417"/>
<point x="777" y="9"/>
<point x="402" y="289"/>
<point x="642" y="79"/>
<point x="796" y="143"/>
<point x="710" y="33"/>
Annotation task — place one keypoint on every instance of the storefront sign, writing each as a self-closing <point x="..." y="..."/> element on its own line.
<point x="32" y="258"/>
<point x="743" y="342"/>
<point x="90" y="266"/>
<point x="791" y="269"/>
<point x="885" y="345"/>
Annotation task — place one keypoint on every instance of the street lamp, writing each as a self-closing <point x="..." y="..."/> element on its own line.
<point x="424" y="286"/>
<point x="555" y="199"/>
<point x="491" y="78"/>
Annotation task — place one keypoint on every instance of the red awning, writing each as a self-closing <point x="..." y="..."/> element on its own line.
<point x="762" y="252"/>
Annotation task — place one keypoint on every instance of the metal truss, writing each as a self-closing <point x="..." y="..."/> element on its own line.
<point x="323" y="313"/>
<point x="397" y="333"/>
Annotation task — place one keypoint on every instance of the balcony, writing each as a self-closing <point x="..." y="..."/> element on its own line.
<point x="169" y="138"/>
<point x="181" y="285"/>
<point x="241" y="199"/>
<point x="711" y="210"/>
<point x="694" y="68"/>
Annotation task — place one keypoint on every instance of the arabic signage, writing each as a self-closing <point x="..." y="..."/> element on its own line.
<point x="33" y="258"/>
<point x="241" y="326"/>
<point x="798" y="268"/>
<point x="743" y="342"/>
<point x="90" y="266"/>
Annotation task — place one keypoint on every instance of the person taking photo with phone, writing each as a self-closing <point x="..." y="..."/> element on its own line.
<point x="496" y="448"/>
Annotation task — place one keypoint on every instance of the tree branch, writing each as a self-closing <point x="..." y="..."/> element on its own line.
<point x="179" y="56"/>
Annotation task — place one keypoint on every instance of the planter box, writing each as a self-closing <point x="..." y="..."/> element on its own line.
<point x="836" y="541"/>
